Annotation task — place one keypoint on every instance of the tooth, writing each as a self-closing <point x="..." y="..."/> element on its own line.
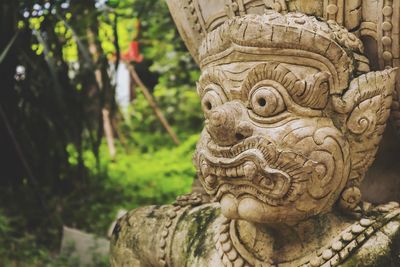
<point x="234" y="171"/>
<point x="233" y="151"/>
<point x="239" y="170"/>
<point x="220" y="172"/>
<point x="230" y="172"/>
<point x="250" y="169"/>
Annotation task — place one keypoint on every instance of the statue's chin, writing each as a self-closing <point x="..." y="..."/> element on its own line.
<point x="245" y="208"/>
<point x="250" y="209"/>
<point x="229" y="206"/>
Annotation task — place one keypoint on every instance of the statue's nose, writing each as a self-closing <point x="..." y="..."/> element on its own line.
<point x="227" y="126"/>
<point x="218" y="118"/>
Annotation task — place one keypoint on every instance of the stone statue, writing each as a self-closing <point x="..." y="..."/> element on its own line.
<point x="293" y="120"/>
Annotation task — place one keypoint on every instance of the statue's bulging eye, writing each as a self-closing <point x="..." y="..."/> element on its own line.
<point x="210" y="101"/>
<point x="267" y="101"/>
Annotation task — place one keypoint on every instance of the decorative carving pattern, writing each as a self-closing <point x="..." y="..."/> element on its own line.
<point x="167" y="233"/>
<point x="369" y="110"/>
<point x="346" y="38"/>
<point x="386" y="60"/>
<point x="334" y="10"/>
<point x="293" y="120"/>
<point x="230" y="256"/>
<point x="269" y="90"/>
<point x="243" y="160"/>
<point x="292" y="31"/>
<point x="195" y="19"/>
<point x="333" y="254"/>
<point x="384" y="30"/>
<point x="344" y="12"/>
<point x="181" y="204"/>
<point x="352" y="238"/>
<point x="375" y="19"/>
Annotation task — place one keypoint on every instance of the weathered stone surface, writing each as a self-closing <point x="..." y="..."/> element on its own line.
<point x="294" y="118"/>
<point x="201" y="236"/>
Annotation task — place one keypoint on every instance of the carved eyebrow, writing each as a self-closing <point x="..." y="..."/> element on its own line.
<point x="211" y="76"/>
<point x="307" y="93"/>
<point x="269" y="71"/>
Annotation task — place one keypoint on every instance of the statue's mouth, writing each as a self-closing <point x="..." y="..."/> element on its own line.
<point x="253" y="167"/>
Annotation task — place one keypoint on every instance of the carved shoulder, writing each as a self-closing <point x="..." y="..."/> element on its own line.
<point x="136" y="235"/>
<point x="169" y="235"/>
<point x="382" y="248"/>
<point x="193" y="240"/>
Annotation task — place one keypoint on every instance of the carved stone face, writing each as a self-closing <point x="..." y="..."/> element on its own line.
<point x="268" y="153"/>
<point x="274" y="149"/>
<point x="293" y="117"/>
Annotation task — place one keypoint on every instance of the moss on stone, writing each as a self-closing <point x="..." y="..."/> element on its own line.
<point x="198" y="224"/>
<point x="376" y="252"/>
<point x="152" y="213"/>
<point x="203" y="220"/>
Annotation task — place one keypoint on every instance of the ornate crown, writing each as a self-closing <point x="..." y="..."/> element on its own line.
<point x="290" y="36"/>
<point x="369" y="19"/>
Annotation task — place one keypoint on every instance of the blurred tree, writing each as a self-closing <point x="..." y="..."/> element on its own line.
<point x="57" y="64"/>
<point x="47" y="104"/>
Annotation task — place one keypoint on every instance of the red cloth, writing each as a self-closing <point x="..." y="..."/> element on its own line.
<point x="133" y="53"/>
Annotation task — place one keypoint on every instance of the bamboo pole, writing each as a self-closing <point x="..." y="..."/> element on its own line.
<point x="152" y="103"/>
<point x="109" y="133"/>
<point x="105" y="112"/>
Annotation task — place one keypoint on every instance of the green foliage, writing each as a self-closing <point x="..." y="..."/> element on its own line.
<point x="4" y="225"/>
<point x="24" y="252"/>
<point x="64" y="171"/>
<point x="167" y="59"/>
<point x="146" y="178"/>
<point x="155" y="178"/>
<point x="22" y="249"/>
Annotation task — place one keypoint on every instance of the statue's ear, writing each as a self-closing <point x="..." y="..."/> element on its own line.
<point x="366" y="107"/>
